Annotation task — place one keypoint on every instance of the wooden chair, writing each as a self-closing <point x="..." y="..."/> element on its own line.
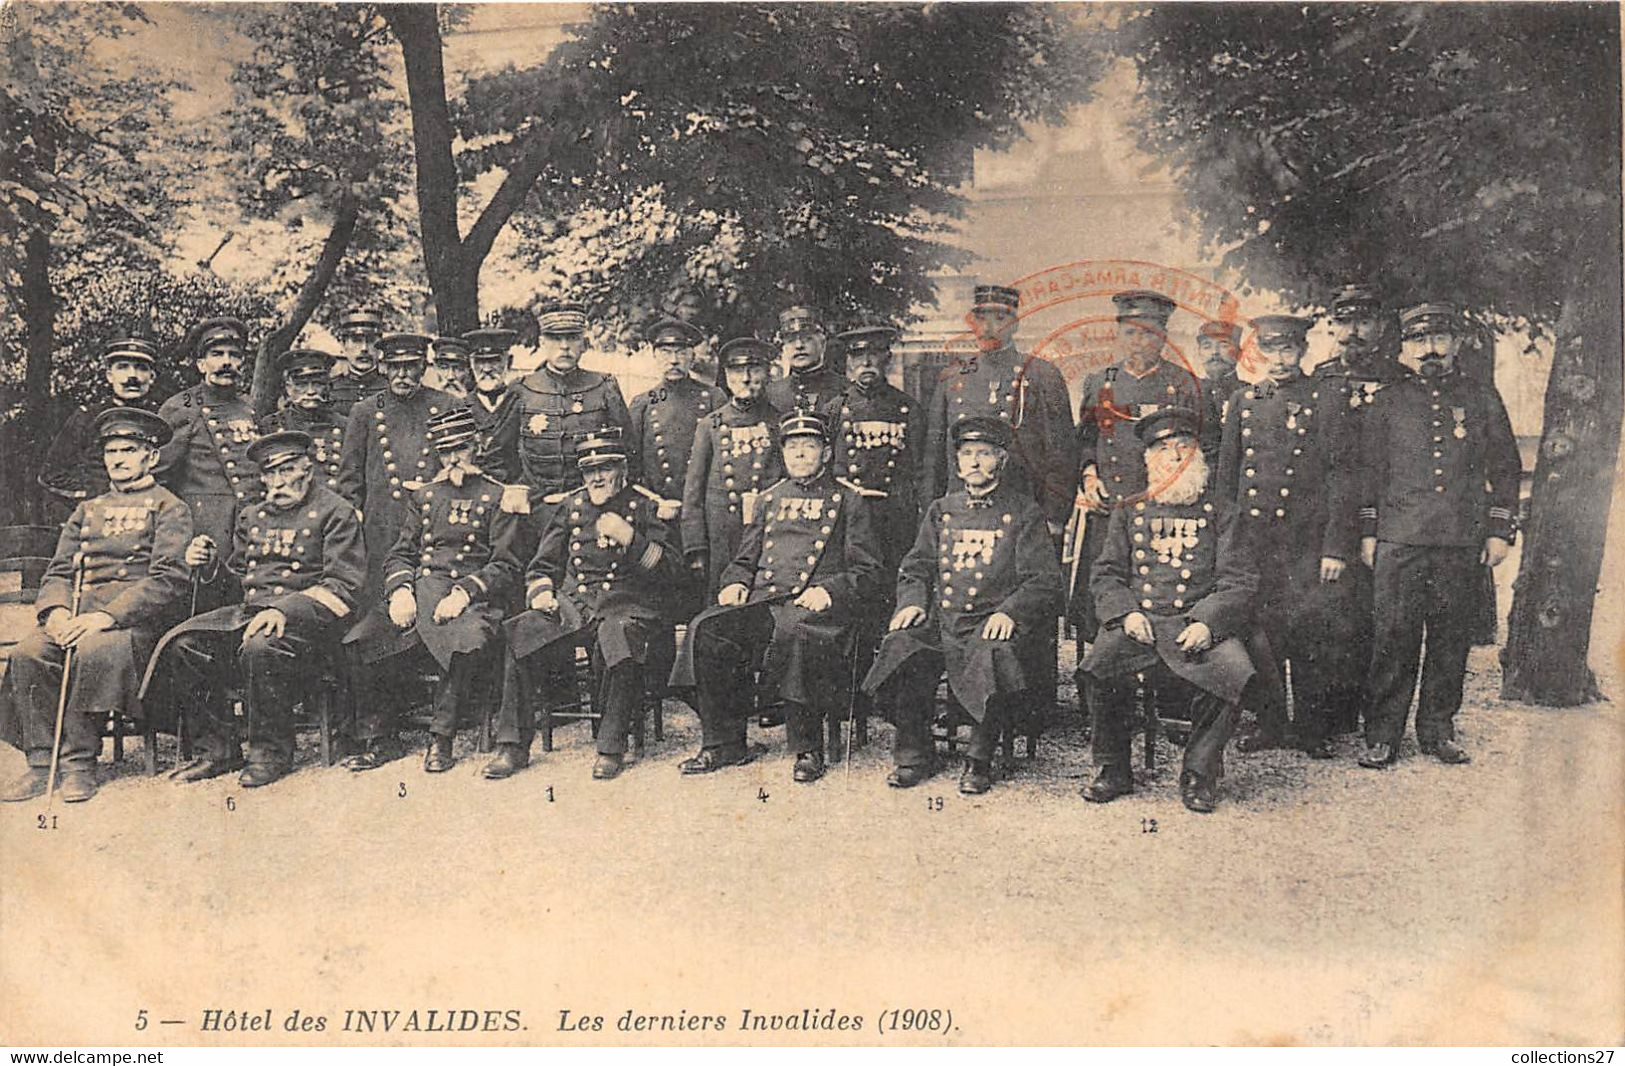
<point x="951" y="718"/>
<point x="579" y="708"/>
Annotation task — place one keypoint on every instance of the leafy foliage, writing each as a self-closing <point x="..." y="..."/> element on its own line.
<point x="756" y="154"/>
<point x="1397" y="142"/>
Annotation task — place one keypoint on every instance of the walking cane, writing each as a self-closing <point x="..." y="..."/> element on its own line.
<point x="180" y="715"/>
<point x="67" y="668"/>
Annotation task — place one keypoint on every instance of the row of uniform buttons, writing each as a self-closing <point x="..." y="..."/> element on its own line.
<point x="389" y="456"/>
<point x="428" y="543"/>
<point x="1438" y="441"/>
<point x="1145" y="567"/>
<point x="227" y="460"/>
<point x="725" y="442"/>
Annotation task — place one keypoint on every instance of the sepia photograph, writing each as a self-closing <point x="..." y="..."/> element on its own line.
<point x="811" y="524"/>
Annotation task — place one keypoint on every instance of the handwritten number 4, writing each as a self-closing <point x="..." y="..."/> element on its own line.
<point x="761" y="795"/>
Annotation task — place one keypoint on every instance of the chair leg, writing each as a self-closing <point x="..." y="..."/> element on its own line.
<point x="547" y="727"/>
<point x="149" y="745"/>
<point x="833" y="752"/>
<point x="860" y="731"/>
<point x="324" y="723"/>
<point x="118" y="737"/>
<point x="660" y="718"/>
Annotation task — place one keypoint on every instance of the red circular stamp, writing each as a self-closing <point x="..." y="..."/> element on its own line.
<point x="1069" y="309"/>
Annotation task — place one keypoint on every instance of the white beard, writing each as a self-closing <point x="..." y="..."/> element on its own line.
<point x="1175" y="481"/>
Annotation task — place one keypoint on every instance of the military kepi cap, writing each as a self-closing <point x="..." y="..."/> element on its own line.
<point x="1218" y="329"/>
<point x="1168" y="422"/>
<point x="450" y="350"/>
<point x="132" y="423"/>
<point x="562" y="319"/>
<point x="995" y="298"/>
<point x="868" y="339"/>
<point x="799" y="319"/>
<point x="982" y="428"/>
<point x="403" y="347"/>
<point x="296" y="363"/>
<point x="1143" y="304"/>
<point x="485" y="343"/>
<point x="215" y="330"/>
<point x="669" y="328"/>
<point x="1350" y="300"/>
<point x="1429" y="318"/>
<point x="280" y="448"/>
<point x="361" y="322"/>
<point x="600" y="448"/>
<point x="803" y="424"/>
<point x="451" y="429"/>
<point x="746" y="351"/>
<point x="130" y="348"/>
<point x="1271" y="330"/>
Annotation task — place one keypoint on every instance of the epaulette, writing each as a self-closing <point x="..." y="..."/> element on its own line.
<point x="554" y="498"/>
<point x="647" y="492"/>
<point x="859" y="489"/>
<point x="665" y="509"/>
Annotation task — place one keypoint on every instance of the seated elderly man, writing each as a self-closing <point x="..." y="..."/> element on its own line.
<point x="446" y="585"/>
<point x="297" y="563"/>
<point x="808" y="564"/>
<point x="127" y="549"/>
<point x="602" y="578"/>
<point x="977" y="596"/>
<point x="1173" y="587"/>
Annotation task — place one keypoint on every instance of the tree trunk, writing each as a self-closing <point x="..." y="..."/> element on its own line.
<point x="1550" y="629"/>
<point x="267" y="383"/>
<point x="39" y="305"/>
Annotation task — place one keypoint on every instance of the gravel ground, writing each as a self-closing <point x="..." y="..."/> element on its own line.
<point x="1321" y="904"/>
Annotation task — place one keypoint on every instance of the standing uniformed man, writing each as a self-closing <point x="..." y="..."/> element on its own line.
<point x="665" y="421"/>
<point x="1282" y="466"/>
<point x="1115" y="398"/>
<point x="206" y="460"/>
<point x="386" y="445"/>
<point x="1174" y="589"/>
<point x="131" y="543"/>
<point x="735" y="457"/>
<point x="297" y="563"/>
<point x="446" y="582"/>
<point x="601" y="579"/>
<point x="1439" y="472"/>
<point x="359" y="378"/>
<point x="806" y="568"/>
<point x="1031" y="396"/>
<point x="809" y="382"/>
<point x="307" y="407"/>
<point x="489" y="356"/>
<point x="551" y="409"/>
<point x="1367" y="346"/>
<point x="1218" y="346"/>
<point x="879" y="435"/>
<point x="452" y="365"/>
<point x="977" y="597"/>
<point x="72" y="469"/>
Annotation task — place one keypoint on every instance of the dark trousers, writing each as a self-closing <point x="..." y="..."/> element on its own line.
<point x="618" y="694"/>
<point x="1111" y="709"/>
<point x="381" y="689"/>
<point x="725" y="658"/>
<point x="910" y="695"/>
<point x="272" y="674"/>
<point x="1421" y="594"/>
<point x="98" y="686"/>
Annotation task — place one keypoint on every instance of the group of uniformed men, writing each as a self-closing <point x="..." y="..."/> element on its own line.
<point x="821" y="538"/>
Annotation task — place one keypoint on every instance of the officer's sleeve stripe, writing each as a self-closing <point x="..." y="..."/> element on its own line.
<point x="396" y="574"/>
<point x="651" y="556"/>
<point x="327" y="599"/>
<point x="541" y="584"/>
<point x="484" y="588"/>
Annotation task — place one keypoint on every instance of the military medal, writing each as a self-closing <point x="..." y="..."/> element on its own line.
<point x="1460" y="431"/>
<point x="538" y="422"/>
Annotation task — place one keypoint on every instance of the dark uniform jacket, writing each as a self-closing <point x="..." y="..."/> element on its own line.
<point x="1175" y="564"/>
<point x="306" y="561"/>
<point x="664" y="422"/>
<point x="72" y="468"/>
<point x="598" y="582"/>
<point x="817" y="390"/>
<point x="205" y="462"/>
<point x="487" y="419"/>
<point x="133" y="545"/>
<point x="350" y="389"/>
<point x="974" y="557"/>
<point x="818" y="533"/>
<point x="1032" y="397"/>
<point x="453" y="536"/>
<point x="1358" y="383"/>
<point x="877" y="446"/>
<point x="326" y="429"/>
<point x="735" y="457"/>
<point x="1113" y="401"/>
<point x="535" y="441"/>
<point x="1438" y="463"/>
<point x="385" y="446"/>
<point x="1283" y="464"/>
<point x="1217" y="392"/>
